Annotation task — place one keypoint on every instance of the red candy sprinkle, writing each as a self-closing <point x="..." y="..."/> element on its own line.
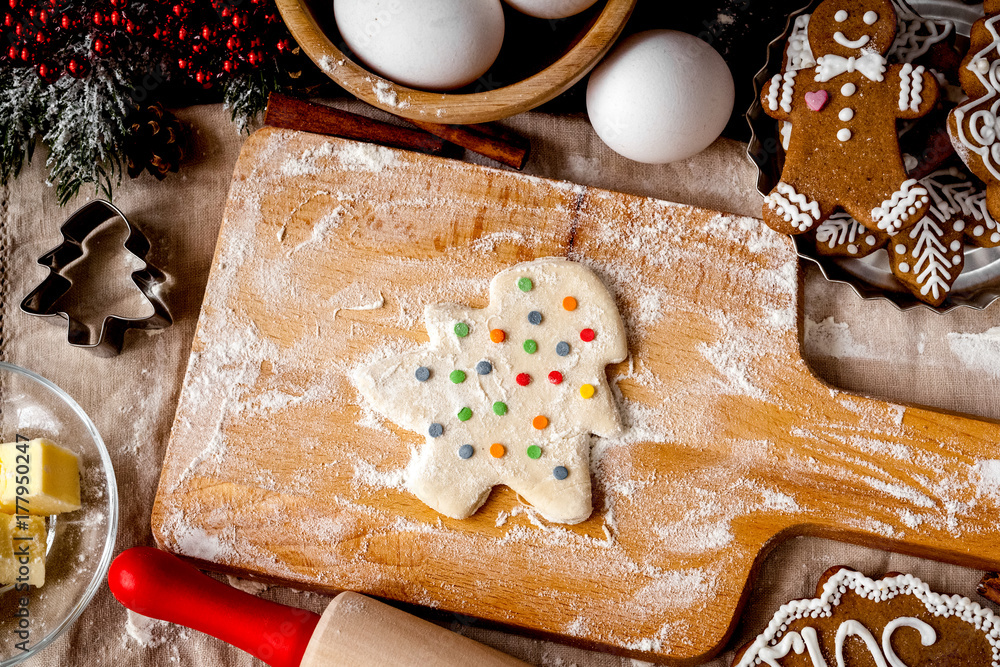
<point x="587" y="335"/>
<point x="555" y="377"/>
<point x="523" y="379"/>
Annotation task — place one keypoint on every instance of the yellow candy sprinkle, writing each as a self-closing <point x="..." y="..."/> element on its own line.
<point x="587" y="390"/>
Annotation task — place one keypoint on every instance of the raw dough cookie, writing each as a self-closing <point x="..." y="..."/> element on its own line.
<point x="509" y="394"/>
<point x="896" y="621"/>
<point x="844" y="151"/>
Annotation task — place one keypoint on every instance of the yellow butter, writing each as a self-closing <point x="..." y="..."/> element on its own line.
<point x="27" y="546"/>
<point x="44" y="475"/>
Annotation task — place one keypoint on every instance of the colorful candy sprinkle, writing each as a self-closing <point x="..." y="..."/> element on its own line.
<point x="500" y="408"/>
<point x="587" y="390"/>
<point x="484" y="368"/>
<point x="466" y="452"/>
<point x="587" y="335"/>
<point x="497" y="450"/>
<point x="523" y="379"/>
<point x="535" y="317"/>
<point x="525" y="284"/>
<point x="435" y="430"/>
<point x="562" y="348"/>
<point x="540" y="422"/>
<point x="534" y="452"/>
<point x="423" y="374"/>
<point x="465" y="414"/>
<point x="458" y="377"/>
<point x="569" y="303"/>
<point x="530" y="346"/>
<point x="555" y="377"/>
<point x="497" y="335"/>
<point x="461" y="329"/>
<point x="560" y="472"/>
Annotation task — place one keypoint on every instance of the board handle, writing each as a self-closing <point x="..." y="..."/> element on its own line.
<point x="154" y="583"/>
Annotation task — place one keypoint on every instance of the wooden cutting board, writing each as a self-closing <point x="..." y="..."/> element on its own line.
<point x="328" y="254"/>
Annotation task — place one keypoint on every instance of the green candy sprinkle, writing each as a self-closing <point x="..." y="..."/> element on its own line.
<point x="534" y="452"/>
<point x="461" y="329"/>
<point x="500" y="408"/>
<point x="464" y="415"/>
<point x="530" y="346"/>
<point x="458" y="377"/>
<point x="525" y="284"/>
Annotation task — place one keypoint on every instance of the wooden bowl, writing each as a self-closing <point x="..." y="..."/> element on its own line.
<point x="597" y="33"/>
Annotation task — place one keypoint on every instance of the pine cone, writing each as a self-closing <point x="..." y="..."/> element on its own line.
<point x="155" y="141"/>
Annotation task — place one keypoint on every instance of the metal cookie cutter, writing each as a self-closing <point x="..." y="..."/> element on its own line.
<point x="43" y="299"/>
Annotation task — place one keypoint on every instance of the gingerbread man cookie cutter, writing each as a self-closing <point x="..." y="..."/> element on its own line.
<point x="43" y="300"/>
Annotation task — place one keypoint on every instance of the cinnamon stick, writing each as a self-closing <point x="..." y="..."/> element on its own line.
<point x="490" y="140"/>
<point x="989" y="587"/>
<point x="295" y="114"/>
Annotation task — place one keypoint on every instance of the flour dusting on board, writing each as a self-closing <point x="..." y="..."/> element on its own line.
<point x="270" y="418"/>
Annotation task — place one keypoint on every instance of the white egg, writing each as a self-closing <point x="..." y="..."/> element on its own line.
<point x="550" y="9"/>
<point x="429" y="44"/>
<point x="660" y="96"/>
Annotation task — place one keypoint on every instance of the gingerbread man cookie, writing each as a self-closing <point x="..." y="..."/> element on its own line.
<point x="896" y="621"/>
<point x="974" y="124"/>
<point x="843" y="152"/>
<point x="508" y="394"/>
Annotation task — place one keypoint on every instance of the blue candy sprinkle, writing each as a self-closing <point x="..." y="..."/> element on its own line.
<point x="535" y="317"/>
<point x="436" y="430"/>
<point x="562" y="349"/>
<point x="559" y="472"/>
<point x="484" y="368"/>
<point x="423" y="374"/>
<point x="465" y="452"/>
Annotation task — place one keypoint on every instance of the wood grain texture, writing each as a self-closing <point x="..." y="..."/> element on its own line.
<point x="454" y="108"/>
<point x="275" y="470"/>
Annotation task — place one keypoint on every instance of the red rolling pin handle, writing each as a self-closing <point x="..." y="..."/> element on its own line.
<point x="156" y="584"/>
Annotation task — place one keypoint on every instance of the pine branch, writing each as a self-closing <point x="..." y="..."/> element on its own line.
<point x="20" y="117"/>
<point x="246" y="95"/>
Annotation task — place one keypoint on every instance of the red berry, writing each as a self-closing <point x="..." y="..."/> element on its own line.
<point x="182" y="35"/>
<point x="206" y="32"/>
<point x="66" y="22"/>
<point x="115" y="18"/>
<point x="97" y="19"/>
<point x="8" y="20"/>
<point x="523" y="379"/>
<point x="13" y="53"/>
<point x="227" y="66"/>
<point x="43" y="16"/>
<point x="182" y="63"/>
<point x="233" y="43"/>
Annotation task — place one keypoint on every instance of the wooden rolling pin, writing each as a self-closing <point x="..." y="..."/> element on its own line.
<point x="354" y="631"/>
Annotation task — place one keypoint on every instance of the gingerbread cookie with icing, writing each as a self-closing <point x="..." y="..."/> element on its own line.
<point x="508" y="394"/>
<point x="974" y="125"/>
<point x="895" y="621"/>
<point x="843" y="151"/>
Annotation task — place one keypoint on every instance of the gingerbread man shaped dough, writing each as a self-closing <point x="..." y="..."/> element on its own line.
<point x="508" y="394"/>
<point x="844" y="151"/>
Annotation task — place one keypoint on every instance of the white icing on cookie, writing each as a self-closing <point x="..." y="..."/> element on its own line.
<point x="895" y="211"/>
<point x="795" y="208"/>
<point x="927" y="637"/>
<point x="840" y="229"/>
<point x="787" y="91"/>
<point x="881" y="590"/>
<point x="911" y="42"/>
<point x="842" y="39"/>
<point x="840" y="16"/>
<point x="844" y="134"/>
<point x="846" y="114"/>
<point x="870" y="17"/>
<point x="848" y="89"/>
<point x="798" y="52"/>
<point x="852" y="627"/>
<point x="978" y="131"/>
<point x="772" y="93"/>
<point x="481" y="402"/>
<point x="871" y="65"/>
<point x="911" y="85"/>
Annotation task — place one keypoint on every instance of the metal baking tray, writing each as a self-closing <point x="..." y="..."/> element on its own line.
<point x="870" y="277"/>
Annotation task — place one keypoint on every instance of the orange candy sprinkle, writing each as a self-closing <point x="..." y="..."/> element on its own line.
<point x="569" y="303"/>
<point x="497" y="450"/>
<point x="497" y="335"/>
<point x="540" y="422"/>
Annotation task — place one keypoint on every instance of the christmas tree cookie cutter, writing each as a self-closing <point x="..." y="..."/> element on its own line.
<point x="44" y="299"/>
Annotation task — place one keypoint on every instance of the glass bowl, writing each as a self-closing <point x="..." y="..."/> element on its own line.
<point x="81" y="543"/>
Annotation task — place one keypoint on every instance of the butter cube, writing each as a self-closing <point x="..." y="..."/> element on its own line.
<point x="27" y="541"/>
<point x="47" y="476"/>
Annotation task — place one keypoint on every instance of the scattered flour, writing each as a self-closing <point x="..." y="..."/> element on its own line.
<point x="978" y="350"/>
<point x="830" y="338"/>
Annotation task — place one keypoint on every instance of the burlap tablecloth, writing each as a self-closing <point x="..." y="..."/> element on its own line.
<point x="916" y="357"/>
